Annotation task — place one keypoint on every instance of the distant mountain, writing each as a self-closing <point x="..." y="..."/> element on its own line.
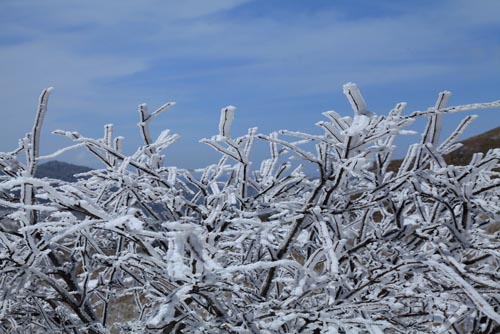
<point x="60" y="170"/>
<point x="480" y="143"/>
<point x="460" y="157"/>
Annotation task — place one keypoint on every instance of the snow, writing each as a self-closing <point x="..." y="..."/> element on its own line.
<point x="127" y="221"/>
<point x="227" y="116"/>
<point x="359" y="124"/>
<point x="272" y="250"/>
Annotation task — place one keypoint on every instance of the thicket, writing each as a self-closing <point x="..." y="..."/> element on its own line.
<point x="140" y="247"/>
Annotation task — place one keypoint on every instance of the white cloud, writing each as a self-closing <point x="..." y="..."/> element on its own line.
<point x="80" y="47"/>
<point x="62" y="12"/>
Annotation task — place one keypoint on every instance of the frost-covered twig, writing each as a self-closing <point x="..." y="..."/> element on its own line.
<point x="237" y="248"/>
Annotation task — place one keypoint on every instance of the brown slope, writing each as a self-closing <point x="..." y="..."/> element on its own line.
<point x="480" y="143"/>
<point x="462" y="156"/>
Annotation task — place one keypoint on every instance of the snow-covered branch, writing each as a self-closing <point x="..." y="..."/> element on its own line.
<point x="142" y="247"/>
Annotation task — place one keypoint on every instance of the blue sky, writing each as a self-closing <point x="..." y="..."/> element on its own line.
<point x="281" y="62"/>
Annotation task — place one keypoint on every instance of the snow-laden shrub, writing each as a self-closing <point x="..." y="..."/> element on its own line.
<point x="139" y="247"/>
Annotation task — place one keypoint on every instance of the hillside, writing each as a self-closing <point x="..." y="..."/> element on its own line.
<point x="480" y="143"/>
<point x="60" y="170"/>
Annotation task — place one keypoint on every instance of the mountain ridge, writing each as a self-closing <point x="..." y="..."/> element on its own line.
<point x="60" y="170"/>
<point x="479" y="143"/>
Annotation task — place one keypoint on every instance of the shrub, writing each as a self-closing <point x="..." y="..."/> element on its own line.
<point x="138" y="247"/>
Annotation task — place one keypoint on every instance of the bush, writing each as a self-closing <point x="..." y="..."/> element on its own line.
<point x="137" y="247"/>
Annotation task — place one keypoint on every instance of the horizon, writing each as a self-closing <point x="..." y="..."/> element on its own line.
<point x="311" y="173"/>
<point x="281" y="63"/>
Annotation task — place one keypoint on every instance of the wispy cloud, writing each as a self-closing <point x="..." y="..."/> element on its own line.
<point x="106" y="57"/>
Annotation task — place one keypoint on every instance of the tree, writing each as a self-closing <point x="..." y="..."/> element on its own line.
<point x="139" y="247"/>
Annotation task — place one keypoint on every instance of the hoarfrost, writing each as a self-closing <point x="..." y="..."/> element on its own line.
<point x="141" y="246"/>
